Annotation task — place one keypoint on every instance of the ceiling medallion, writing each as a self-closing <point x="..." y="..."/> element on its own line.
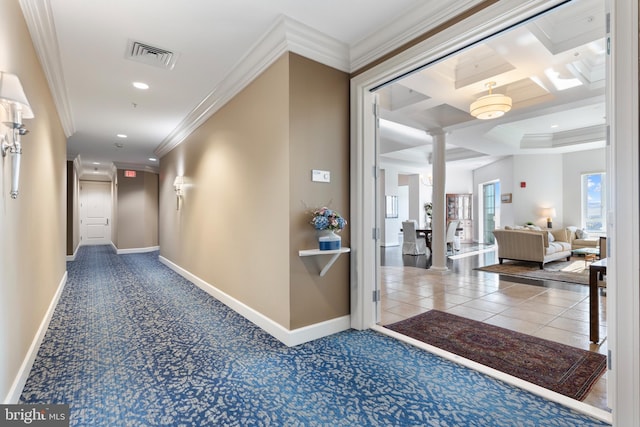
<point x="490" y="106"/>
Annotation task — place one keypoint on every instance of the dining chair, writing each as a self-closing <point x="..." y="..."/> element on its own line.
<point x="411" y="243"/>
<point x="451" y="235"/>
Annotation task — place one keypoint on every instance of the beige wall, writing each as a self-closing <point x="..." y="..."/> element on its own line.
<point x="32" y="227"/>
<point x="319" y="139"/>
<point x="137" y="211"/>
<point x="248" y="170"/>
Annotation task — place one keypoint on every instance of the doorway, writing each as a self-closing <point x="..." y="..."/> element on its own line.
<point x="95" y="213"/>
<point x="489" y="212"/>
<point x="439" y="50"/>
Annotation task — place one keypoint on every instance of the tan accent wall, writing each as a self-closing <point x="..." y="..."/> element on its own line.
<point x="70" y="219"/>
<point x="319" y="139"/>
<point x="247" y="169"/>
<point x="32" y="227"/>
<point x="137" y="211"/>
<point x="73" y="208"/>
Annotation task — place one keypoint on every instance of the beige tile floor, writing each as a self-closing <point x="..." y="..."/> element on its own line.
<point x="555" y="314"/>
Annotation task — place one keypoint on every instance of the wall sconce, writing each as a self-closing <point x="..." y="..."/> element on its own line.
<point x="15" y="102"/>
<point x="178" y="183"/>
<point x="549" y="213"/>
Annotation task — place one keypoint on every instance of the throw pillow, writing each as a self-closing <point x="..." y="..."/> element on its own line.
<point x="551" y="238"/>
<point x="581" y="234"/>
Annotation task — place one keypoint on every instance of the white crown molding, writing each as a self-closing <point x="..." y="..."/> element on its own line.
<point x="408" y="27"/>
<point x="286" y="35"/>
<point x="591" y="134"/>
<point x="39" y="19"/>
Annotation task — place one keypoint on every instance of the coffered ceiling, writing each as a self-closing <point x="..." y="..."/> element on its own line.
<point x="553" y="68"/>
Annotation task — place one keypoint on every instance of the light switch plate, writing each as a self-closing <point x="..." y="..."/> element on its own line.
<point x="320" y="176"/>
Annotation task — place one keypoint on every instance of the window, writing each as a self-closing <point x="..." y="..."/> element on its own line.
<point x="594" y="202"/>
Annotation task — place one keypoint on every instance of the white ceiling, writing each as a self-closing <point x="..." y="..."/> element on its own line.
<point x="83" y="46"/>
<point x="218" y="46"/>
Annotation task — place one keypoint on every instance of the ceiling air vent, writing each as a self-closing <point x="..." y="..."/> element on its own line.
<point x="151" y="55"/>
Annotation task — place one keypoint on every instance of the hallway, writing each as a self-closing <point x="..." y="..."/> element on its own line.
<point x="133" y="343"/>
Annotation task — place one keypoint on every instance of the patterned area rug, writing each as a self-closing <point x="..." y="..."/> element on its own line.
<point x="554" y="366"/>
<point x="131" y="343"/>
<point x="574" y="271"/>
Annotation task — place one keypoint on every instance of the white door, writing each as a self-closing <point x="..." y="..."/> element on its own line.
<point x="95" y="213"/>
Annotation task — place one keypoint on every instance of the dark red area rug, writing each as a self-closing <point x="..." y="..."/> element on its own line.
<point x="554" y="366"/>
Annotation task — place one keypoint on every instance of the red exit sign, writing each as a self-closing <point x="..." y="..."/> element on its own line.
<point x="129" y="174"/>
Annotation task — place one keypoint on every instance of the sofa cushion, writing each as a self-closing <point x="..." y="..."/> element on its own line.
<point x="555" y="247"/>
<point x="585" y="243"/>
<point x="560" y="235"/>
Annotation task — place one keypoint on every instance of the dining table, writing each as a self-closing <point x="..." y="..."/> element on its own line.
<point x="426" y="233"/>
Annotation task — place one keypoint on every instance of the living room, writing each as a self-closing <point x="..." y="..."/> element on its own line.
<point x="553" y="310"/>
<point x="533" y="182"/>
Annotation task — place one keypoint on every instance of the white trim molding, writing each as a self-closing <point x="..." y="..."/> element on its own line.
<point x="405" y="29"/>
<point x="286" y="35"/>
<point x="23" y="373"/>
<point x="286" y="336"/>
<point x="136" y="250"/>
<point x="623" y="218"/>
<point x="39" y="18"/>
<point x="73" y="256"/>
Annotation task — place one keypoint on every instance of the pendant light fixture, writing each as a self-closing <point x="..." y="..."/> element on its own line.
<point x="490" y="106"/>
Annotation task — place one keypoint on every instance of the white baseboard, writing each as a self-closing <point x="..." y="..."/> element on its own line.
<point x="23" y="373"/>
<point x="73" y="257"/>
<point x="137" y="250"/>
<point x="288" y="337"/>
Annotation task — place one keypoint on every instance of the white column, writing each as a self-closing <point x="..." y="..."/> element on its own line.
<point x="439" y="221"/>
<point x="414" y="197"/>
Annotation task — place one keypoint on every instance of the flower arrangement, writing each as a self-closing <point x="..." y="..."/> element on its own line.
<point x="428" y="209"/>
<point x="327" y="219"/>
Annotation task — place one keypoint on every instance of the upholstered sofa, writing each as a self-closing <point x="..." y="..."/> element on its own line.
<point x="578" y="240"/>
<point x="539" y="246"/>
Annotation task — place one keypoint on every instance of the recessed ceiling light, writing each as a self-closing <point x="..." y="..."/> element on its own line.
<point x="140" y="85"/>
<point x="121" y="135"/>
<point x="554" y="126"/>
<point x="153" y="159"/>
<point x="96" y="163"/>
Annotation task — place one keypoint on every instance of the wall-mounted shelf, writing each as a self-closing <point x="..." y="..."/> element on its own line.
<point x="335" y="254"/>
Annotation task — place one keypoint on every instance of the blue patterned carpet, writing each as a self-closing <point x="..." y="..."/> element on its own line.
<point x="131" y="343"/>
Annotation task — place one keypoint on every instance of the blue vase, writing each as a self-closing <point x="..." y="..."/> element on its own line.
<point x="328" y="240"/>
